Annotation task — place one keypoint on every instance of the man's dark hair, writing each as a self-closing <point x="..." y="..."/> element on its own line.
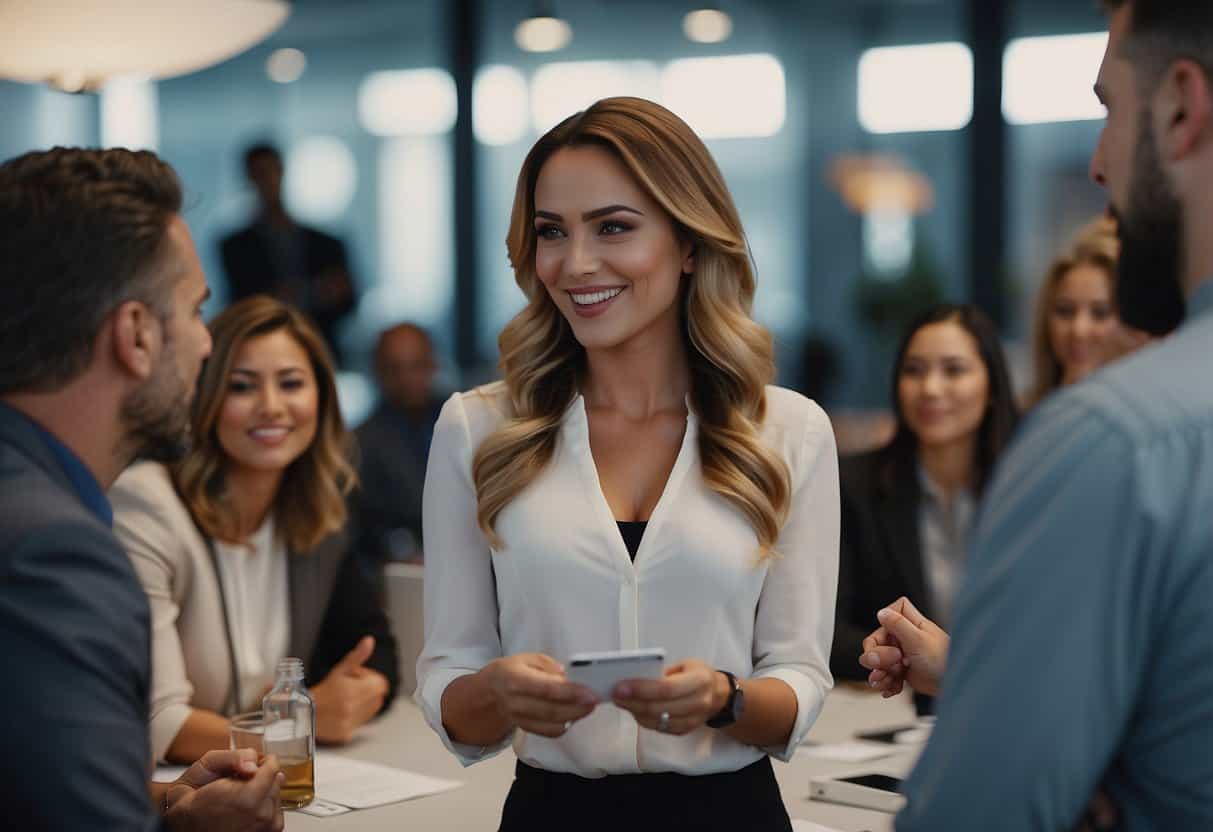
<point x="81" y="232"/>
<point x="1162" y="32"/>
<point x="258" y="151"/>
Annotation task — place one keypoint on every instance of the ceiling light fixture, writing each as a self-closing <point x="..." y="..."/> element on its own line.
<point x="707" y="24"/>
<point x="543" y="31"/>
<point x="285" y="66"/>
<point x="77" y="45"/>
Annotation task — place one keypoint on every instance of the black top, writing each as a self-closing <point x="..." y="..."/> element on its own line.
<point x="632" y="531"/>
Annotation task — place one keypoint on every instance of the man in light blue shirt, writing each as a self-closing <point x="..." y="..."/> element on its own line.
<point x="1082" y="653"/>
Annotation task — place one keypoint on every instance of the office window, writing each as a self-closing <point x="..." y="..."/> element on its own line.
<point x="407" y="102"/>
<point x="321" y="178"/>
<point x="415" y="214"/>
<point x="726" y="97"/>
<point x="500" y="114"/>
<point x="908" y="89"/>
<point x="1051" y="79"/>
<point x="560" y="89"/>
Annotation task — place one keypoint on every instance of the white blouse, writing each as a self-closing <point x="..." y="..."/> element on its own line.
<point x="564" y="583"/>
<point x="256" y="589"/>
<point x="943" y="529"/>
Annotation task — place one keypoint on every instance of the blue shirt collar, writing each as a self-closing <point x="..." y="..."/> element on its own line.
<point x="85" y="484"/>
<point x="1200" y="302"/>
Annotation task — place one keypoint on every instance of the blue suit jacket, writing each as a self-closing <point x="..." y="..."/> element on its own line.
<point x="75" y="642"/>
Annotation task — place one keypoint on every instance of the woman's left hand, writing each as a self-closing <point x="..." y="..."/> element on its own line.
<point x="690" y="693"/>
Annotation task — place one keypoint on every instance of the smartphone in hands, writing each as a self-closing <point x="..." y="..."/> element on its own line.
<point x="601" y="671"/>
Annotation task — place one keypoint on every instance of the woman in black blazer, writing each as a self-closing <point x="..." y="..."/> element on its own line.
<point x="907" y="506"/>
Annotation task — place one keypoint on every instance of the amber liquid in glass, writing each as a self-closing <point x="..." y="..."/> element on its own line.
<point x="300" y="787"/>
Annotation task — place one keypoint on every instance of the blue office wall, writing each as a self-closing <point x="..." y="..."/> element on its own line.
<point x="34" y="117"/>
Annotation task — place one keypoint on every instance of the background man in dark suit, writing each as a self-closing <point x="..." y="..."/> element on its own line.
<point x="277" y="256"/>
<point x="101" y="341"/>
<point x="394" y="444"/>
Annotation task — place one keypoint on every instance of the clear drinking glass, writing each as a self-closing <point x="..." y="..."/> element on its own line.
<point x="248" y="731"/>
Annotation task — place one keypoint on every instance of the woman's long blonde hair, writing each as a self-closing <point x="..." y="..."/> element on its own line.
<point x="1095" y="245"/>
<point x="730" y="355"/>
<point x="310" y="504"/>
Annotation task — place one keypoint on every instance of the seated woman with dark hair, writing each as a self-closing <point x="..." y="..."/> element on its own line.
<point x="907" y="507"/>
<point x="242" y="547"/>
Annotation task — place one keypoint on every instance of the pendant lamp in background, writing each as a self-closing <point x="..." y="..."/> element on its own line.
<point x="76" y="45"/>
<point x="879" y="182"/>
<point x="707" y="23"/>
<point x="542" y="30"/>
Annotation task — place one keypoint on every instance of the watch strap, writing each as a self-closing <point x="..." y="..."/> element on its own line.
<point x="727" y="715"/>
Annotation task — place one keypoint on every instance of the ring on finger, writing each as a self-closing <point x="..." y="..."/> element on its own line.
<point x="568" y="723"/>
<point x="663" y="722"/>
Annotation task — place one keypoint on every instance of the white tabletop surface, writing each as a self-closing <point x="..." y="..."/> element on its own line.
<point x="402" y="739"/>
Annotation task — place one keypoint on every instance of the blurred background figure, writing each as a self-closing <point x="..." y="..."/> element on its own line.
<point x="820" y="369"/>
<point x="274" y="255"/>
<point x="1077" y="326"/>
<point x="820" y="375"/>
<point x="907" y="507"/>
<point x="394" y="444"/>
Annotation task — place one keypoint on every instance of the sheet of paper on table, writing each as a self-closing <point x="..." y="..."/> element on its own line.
<point x="354" y="783"/>
<point x="802" y="825"/>
<point x="361" y="785"/>
<point x="855" y="751"/>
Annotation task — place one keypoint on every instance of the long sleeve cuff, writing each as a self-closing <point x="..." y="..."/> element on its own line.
<point x="810" y="697"/>
<point x="165" y="726"/>
<point x="429" y="697"/>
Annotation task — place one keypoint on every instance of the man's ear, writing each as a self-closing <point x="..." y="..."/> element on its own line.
<point x="1183" y="105"/>
<point x="136" y="338"/>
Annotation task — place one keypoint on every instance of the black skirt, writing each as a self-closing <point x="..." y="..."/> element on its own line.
<point x="747" y="800"/>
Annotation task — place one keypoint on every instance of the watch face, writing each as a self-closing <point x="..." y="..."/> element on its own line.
<point x="738" y="702"/>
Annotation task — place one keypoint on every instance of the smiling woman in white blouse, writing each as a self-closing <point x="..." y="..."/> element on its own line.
<point x="634" y="482"/>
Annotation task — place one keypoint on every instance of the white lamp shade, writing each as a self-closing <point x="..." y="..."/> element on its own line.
<point x="543" y="34"/>
<point x="79" y="44"/>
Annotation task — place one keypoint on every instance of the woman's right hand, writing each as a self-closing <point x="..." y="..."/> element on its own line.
<point x="532" y="693"/>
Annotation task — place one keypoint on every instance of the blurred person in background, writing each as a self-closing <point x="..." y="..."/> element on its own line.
<point x="634" y="481"/>
<point x="820" y="369"/>
<point x="1077" y="328"/>
<point x="393" y="446"/>
<point x="242" y="549"/>
<point x="101" y="341"/>
<point x="275" y="255"/>
<point x="908" y="507"/>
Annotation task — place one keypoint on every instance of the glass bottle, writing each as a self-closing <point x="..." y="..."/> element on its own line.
<point x="290" y="733"/>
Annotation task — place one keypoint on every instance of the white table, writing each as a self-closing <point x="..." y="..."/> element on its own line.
<point x="402" y="739"/>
